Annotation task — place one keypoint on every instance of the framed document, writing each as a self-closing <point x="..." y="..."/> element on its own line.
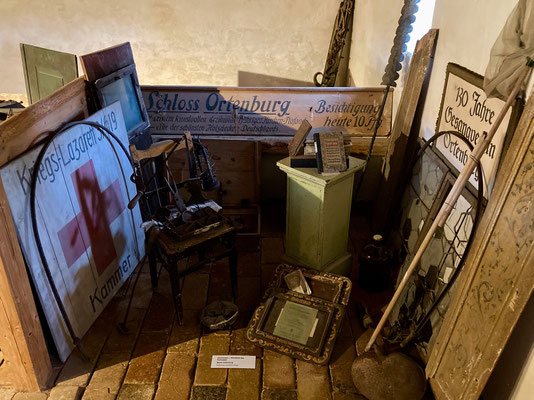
<point x="300" y="326"/>
<point x="296" y="322"/>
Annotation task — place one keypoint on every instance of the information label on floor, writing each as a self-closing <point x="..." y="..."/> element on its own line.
<point x="244" y="362"/>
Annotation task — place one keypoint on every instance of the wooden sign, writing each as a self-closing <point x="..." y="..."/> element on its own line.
<point x="262" y="112"/>
<point x="466" y="109"/>
<point x="91" y="240"/>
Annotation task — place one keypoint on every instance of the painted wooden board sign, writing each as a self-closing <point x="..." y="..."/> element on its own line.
<point x="262" y="112"/>
<point x="91" y="239"/>
<point x="466" y="109"/>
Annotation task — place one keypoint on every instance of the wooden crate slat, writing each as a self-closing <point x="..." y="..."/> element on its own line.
<point x="25" y="129"/>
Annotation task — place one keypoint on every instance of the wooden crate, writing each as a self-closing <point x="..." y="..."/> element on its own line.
<point x="27" y="363"/>
<point x="236" y="167"/>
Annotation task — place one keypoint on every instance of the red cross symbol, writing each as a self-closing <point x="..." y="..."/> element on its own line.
<point x="90" y="228"/>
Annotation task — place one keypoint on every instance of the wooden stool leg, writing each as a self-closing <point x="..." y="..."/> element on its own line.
<point x="176" y="292"/>
<point x="232" y="260"/>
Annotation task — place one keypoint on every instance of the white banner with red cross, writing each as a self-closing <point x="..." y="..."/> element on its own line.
<point x="91" y="240"/>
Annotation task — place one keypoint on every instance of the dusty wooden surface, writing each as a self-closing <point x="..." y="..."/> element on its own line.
<point x="22" y="131"/>
<point x="360" y="146"/>
<point x="236" y="167"/>
<point x="21" y="337"/>
<point x="403" y="138"/>
<point x="497" y="280"/>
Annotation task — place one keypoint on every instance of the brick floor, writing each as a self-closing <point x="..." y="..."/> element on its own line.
<point x="244" y="383"/>
<point x="278" y="371"/>
<point x="30" y="396"/>
<point x="176" y="377"/>
<point x="91" y="393"/>
<point x="211" y="344"/>
<point x="313" y="382"/>
<point x="340" y="366"/>
<point x="109" y="372"/>
<point x="208" y="393"/>
<point x="7" y="394"/>
<point x="136" y="392"/>
<point x="278" y="394"/>
<point x="66" y="393"/>
<point x="162" y="360"/>
<point x="147" y="359"/>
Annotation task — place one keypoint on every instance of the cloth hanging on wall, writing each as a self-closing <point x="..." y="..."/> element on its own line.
<point x="508" y="54"/>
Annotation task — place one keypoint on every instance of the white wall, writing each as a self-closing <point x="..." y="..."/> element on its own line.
<point x="467" y="31"/>
<point x="178" y="42"/>
<point x="375" y="23"/>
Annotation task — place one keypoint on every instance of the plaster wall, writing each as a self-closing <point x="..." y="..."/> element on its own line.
<point x="375" y="23"/>
<point x="374" y="26"/>
<point x="175" y="42"/>
<point x="467" y="31"/>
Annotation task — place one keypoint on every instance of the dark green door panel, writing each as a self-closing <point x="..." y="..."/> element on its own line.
<point x="46" y="70"/>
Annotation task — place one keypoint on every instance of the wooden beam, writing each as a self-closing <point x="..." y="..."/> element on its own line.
<point x="21" y="337"/>
<point x="403" y="138"/>
<point x="22" y="131"/>
<point x="497" y="279"/>
<point x="360" y="146"/>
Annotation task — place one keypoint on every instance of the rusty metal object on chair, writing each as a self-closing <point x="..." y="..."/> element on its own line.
<point x="180" y="230"/>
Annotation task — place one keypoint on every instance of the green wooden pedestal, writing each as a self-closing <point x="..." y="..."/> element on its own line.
<point x="318" y="215"/>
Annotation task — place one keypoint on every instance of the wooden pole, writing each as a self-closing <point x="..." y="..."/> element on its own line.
<point x="451" y="199"/>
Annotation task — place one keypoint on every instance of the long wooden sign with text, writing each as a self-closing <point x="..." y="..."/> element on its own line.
<point x="262" y="112"/>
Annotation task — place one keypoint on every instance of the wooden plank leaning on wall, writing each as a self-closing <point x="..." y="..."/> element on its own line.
<point x="496" y="281"/>
<point x="403" y="139"/>
<point x="21" y="337"/>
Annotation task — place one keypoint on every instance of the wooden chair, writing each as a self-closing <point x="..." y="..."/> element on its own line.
<point x="204" y="245"/>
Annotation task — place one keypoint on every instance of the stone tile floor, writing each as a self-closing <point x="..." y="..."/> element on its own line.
<point x="161" y="360"/>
